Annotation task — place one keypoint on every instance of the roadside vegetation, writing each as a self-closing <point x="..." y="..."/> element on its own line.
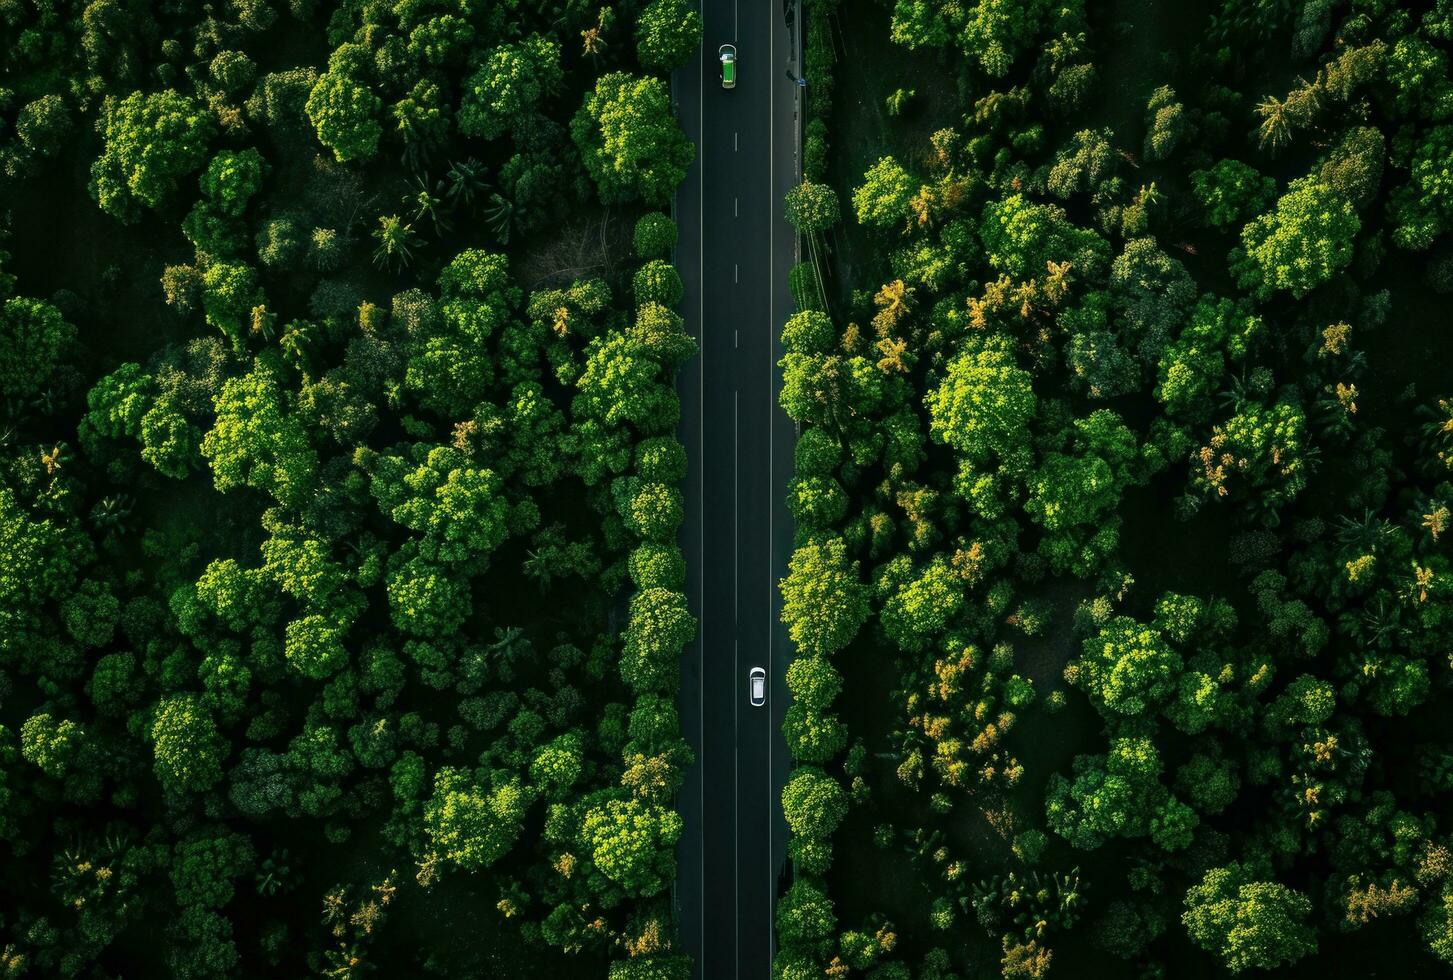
<point x="1122" y="493"/>
<point x="340" y="600"/>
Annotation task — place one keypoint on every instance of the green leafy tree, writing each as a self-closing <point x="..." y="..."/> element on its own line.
<point x="34" y="339"/>
<point x="472" y="823"/>
<point x="151" y="141"/>
<point x="1071" y="493"/>
<point x="230" y="294"/>
<point x="655" y="236"/>
<point x="313" y="646"/>
<point x="189" y="751"/>
<point x="813" y="803"/>
<point x="657" y="281"/>
<point x="1421" y="209"/>
<point x="814" y="737"/>
<point x="922" y="607"/>
<point x="805" y="917"/>
<point x="459" y="508"/>
<point x="1436" y="924"/>
<point x="881" y="201"/>
<point x="169" y="441"/>
<point x="424" y="598"/>
<point x="622" y="382"/>
<point x="232" y="179"/>
<point x="1259" y="454"/>
<point x="505" y="92"/>
<point x="812" y="208"/>
<point x="659" y="626"/>
<point x="1303" y="243"/>
<point x="1020" y="239"/>
<point x="1209" y="781"/>
<point x="55" y="746"/>
<point x="117" y="402"/>
<point x="1084" y="165"/>
<point x="654" y="511"/>
<point x="1230" y="192"/>
<point x="1248" y="923"/>
<point x="633" y="844"/>
<point x="1191" y="368"/>
<point x="1128" y="668"/>
<point x="1152" y="292"/>
<point x="1117" y="795"/>
<point x="824" y="601"/>
<point x="1167" y="124"/>
<point x="345" y="115"/>
<point x="258" y="442"/>
<point x="201" y="945"/>
<point x="1354" y="166"/>
<point x="983" y="404"/>
<point x="993" y="33"/>
<point x="39" y="561"/>
<point x="203" y="868"/>
<point x="43" y="124"/>
<point x="667" y="32"/>
<point x="629" y="141"/>
<point x="557" y="765"/>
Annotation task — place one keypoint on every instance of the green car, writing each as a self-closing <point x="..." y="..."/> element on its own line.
<point x="728" y="55"/>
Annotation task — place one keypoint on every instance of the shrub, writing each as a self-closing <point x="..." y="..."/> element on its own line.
<point x="655" y="236"/>
<point x="657" y="282"/>
<point x="814" y="151"/>
<point x="802" y="281"/>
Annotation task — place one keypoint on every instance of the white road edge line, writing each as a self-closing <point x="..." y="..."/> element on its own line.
<point x="701" y="486"/>
<point x="771" y="445"/>
<point x="736" y="716"/>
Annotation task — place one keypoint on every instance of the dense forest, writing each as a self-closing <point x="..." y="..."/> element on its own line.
<point x="340" y="600"/>
<point x="1123" y="364"/>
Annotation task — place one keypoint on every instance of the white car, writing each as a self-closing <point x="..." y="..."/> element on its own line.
<point x="757" y="686"/>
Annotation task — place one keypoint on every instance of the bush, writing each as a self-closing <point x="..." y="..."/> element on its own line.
<point x="657" y="566"/>
<point x="802" y="280"/>
<point x="814" y="151"/>
<point x="900" y="100"/>
<point x="280" y="242"/>
<point x="655" y="236"/>
<point x="1439" y="274"/>
<point x="326" y="249"/>
<point x="657" y="282"/>
<point x="812" y="208"/>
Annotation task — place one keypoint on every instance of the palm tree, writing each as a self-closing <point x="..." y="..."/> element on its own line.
<point x="396" y="242"/>
<point x="502" y="215"/>
<point x="464" y="181"/>
<point x="592" y="39"/>
<point x="1436" y="520"/>
<point x="1275" y="130"/>
<point x="1365" y="534"/>
<point x="426" y="204"/>
<point x="111" y="513"/>
<point x="893" y="300"/>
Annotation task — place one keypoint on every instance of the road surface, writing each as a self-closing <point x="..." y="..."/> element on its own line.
<point x="734" y="253"/>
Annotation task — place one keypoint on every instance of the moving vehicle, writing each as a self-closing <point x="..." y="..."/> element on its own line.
<point x="757" y="686"/>
<point x="728" y="55"/>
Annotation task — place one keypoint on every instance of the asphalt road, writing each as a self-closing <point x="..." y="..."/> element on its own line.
<point x="734" y="253"/>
